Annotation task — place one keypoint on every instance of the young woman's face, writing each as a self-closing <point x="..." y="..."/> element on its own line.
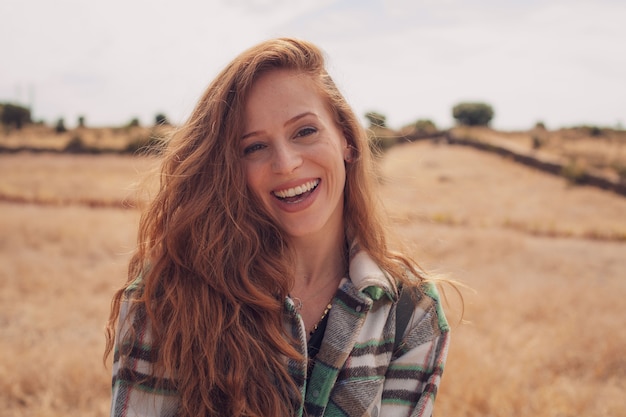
<point x="293" y="154"/>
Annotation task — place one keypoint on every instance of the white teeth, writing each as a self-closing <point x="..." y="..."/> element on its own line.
<point x="300" y="189"/>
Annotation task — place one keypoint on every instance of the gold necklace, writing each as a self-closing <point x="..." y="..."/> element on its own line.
<point x="326" y="310"/>
<point x="298" y="306"/>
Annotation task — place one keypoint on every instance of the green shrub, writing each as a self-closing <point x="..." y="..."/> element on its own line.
<point x="595" y="131"/>
<point x="376" y="119"/>
<point x="15" y="115"/>
<point x="134" y="122"/>
<point x="538" y="142"/>
<point x="574" y="173"/>
<point x="75" y="145"/>
<point x="425" y="126"/>
<point x="591" y="130"/>
<point x="161" y="119"/>
<point x="473" y="114"/>
<point x="60" y="126"/>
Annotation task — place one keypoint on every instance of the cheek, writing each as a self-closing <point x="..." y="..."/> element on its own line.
<point x="254" y="180"/>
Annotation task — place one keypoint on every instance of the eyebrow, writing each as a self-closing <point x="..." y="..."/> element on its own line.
<point x="288" y="122"/>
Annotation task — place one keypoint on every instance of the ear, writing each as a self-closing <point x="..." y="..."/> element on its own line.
<point x="348" y="153"/>
<point x="348" y="149"/>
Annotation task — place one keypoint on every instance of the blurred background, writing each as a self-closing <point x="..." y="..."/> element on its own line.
<point x="501" y="159"/>
<point x="560" y="62"/>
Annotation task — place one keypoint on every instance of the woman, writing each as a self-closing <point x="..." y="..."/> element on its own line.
<point x="263" y="284"/>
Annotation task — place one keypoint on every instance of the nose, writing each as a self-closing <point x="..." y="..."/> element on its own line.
<point x="286" y="159"/>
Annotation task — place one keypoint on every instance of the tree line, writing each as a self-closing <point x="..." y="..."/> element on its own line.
<point x="466" y="113"/>
<point x="17" y="116"/>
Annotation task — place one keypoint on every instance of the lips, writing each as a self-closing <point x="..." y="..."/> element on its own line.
<point x="296" y="193"/>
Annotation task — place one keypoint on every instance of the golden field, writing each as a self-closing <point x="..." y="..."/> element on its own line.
<point x="599" y="151"/>
<point x="546" y="262"/>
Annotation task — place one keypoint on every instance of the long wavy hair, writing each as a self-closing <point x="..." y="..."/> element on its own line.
<point x="215" y="268"/>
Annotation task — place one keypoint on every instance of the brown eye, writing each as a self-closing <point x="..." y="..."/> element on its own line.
<point x="306" y="131"/>
<point x="253" y="148"/>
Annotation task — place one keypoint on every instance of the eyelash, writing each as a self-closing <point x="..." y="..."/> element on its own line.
<point x="253" y="148"/>
<point x="306" y="131"/>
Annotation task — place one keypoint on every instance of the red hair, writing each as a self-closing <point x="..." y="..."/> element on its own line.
<point x="215" y="269"/>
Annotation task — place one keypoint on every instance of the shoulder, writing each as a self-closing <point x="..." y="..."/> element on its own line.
<point x="134" y="327"/>
<point x="421" y="298"/>
<point x="367" y="276"/>
<point x="427" y="300"/>
<point x="419" y="317"/>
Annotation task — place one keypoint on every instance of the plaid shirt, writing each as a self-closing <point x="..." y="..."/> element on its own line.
<point x="356" y="372"/>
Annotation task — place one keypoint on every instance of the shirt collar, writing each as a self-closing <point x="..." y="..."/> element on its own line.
<point x="368" y="277"/>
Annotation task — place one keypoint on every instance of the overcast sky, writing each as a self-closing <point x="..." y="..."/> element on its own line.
<point x="560" y="62"/>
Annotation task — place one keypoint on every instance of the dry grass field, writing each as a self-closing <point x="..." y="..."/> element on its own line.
<point x="546" y="261"/>
<point x="584" y="148"/>
<point x="111" y="138"/>
<point x="60" y="259"/>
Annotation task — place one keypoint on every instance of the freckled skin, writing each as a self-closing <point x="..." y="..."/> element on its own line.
<point x="290" y="140"/>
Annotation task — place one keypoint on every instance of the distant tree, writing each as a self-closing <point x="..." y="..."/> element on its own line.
<point x="425" y="126"/>
<point x="12" y="114"/>
<point x="81" y="121"/>
<point x="376" y="119"/>
<point x="473" y="113"/>
<point x="595" y="131"/>
<point x="161" y="119"/>
<point x="60" y="126"/>
<point x="75" y="145"/>
<point x="134" y="122"/>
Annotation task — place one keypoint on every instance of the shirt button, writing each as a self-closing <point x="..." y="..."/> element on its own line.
<point x="316" y="393"/>
<point x="358" y="309"/>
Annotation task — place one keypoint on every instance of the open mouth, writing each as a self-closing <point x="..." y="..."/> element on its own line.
<point x="296" y="194"/>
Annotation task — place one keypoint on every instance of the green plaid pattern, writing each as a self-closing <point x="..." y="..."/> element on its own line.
<point x="356" y="372"/>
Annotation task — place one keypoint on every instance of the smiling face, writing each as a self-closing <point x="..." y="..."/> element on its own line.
<point x="293" y="155"/>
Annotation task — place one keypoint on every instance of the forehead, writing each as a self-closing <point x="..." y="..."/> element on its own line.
<point x="281" y="93"/>
<point x="279" y="77"/>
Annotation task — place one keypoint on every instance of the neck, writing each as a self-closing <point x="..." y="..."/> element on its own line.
<point x="319" y="263"/>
